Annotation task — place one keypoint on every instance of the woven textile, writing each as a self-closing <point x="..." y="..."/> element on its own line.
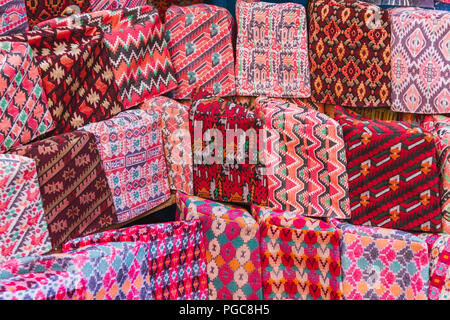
<point x="176" y="256"/>
<point x="76" y="75"/>
<point x="392" y="173"/>
<point x="23" y="105"/>
<point x="385" y="265"/>
<point x="234" y="176"/>
<point x="439" y="126"/>
<point x="114" y="271"/>
<point x="130" y="146"/>
<point x="41" y="10"/>
<point x="23" y="228"/>
<point x="139" y="57"/>
<point x="163" y="5"/>
<point x="299" y="256"/>
<point x="99" y="5"/>
<point x="305" y="159"/>
<point x="272" y="50"/>
<point x="48" y="285"/>
<point x="111" y="271"/>
<point x="73" y="186"/>
<point x="200" y="46"/>
<point x="177" y="141"/>
<point x="35" y="264"/>
<point x="420" y="60"/>
<point x="233" y="251"/>
<point x="439" y="250"/>
<point x="349" y="49"/>
<point x="13" y="17"/>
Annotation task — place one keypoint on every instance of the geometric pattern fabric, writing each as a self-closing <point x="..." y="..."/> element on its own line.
<point x="305" y="160"/>
<point x="73" y="185"/>
<point x="299" y="256"/>
<point x="200" y="46"/>
<point x="131" y="149"/>
<point x="381" y="264"/>
<point x="439" y="126"/>
<point x="177" y="141"/>
<point x="23" y="105"/>
<point x="226" y="158"/>
<point x="392" y="173"/>
<point x="23" y="227"/>
<point x="350" y="55"/>
<point x="272" y="50"/>
<point x="139" y="57"/>
<point x="439" y="250"/>
<point x="177" y="262"/>
<point x="420" y="60"/>
<point x="233" y="251"/>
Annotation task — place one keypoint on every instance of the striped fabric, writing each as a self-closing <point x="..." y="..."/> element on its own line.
<point x="73" y="185"/>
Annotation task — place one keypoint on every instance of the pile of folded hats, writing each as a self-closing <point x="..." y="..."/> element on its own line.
<point x="305" y="145"/>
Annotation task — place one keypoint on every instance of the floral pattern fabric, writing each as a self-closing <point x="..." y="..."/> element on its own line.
<point x="439" y="251"/>
<point x="300" y="256"/>
<point x="233" y="247"/>
<point x="376" y="266"/>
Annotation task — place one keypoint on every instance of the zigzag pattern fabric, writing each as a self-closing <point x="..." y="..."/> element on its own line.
<point x="131" y="151"/>
<point x="200" y="46"/>
<point x="380" y="264"/>
<point x="233" y="250"/>
<point x="177" y="260"/>
<point x="13" y="17"/>
<point x="139" y="58"/>
<point x="439" y="126"/>
<point x="299" y="256"/>
<point x="392" y="173"/>
<point x="350" y="53"/>
<point x="47" y="285"/>
<point x="24" y="115"/>
<point x="177" y="141"/>
<point x="23" y="228"/>
<point x="272" y="50"/>
<point x="73" y="185"/>
<point x="42" y="10"/>
<point x="439" y="251"/>
<point x="305" y="160"/>
<point x="233" y="177"/>
<point x="76" y="75"/>
<point x="420" y="60"/>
